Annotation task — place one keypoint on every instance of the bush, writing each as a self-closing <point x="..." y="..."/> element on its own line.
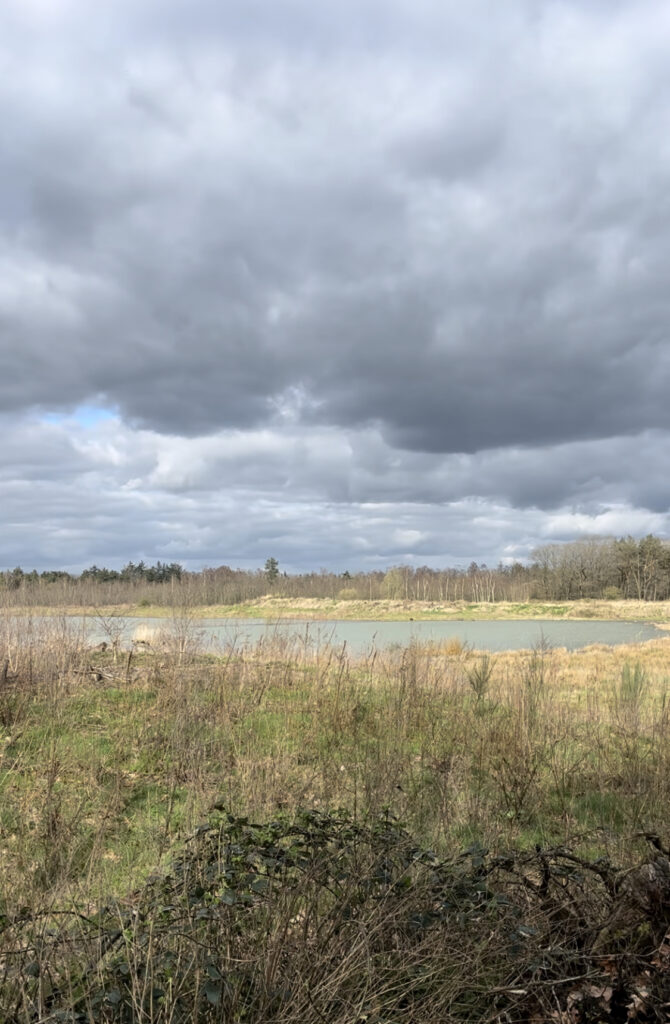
<point x="321" y="917"/>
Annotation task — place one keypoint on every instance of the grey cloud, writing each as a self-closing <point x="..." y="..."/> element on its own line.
<point x="325" y="499"/>
<point x="447" y="154"/>
<point x="328" y="465"/>
<point x="422" y="249"/>
<point x="197" y="250"/>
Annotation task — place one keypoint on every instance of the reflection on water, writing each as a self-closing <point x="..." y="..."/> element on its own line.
<point x="362" y="636"/>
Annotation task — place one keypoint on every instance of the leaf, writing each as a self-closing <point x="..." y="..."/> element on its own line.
<point x="213" y="992"/>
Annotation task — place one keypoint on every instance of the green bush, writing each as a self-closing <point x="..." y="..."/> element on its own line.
<point x="321" y="917"/>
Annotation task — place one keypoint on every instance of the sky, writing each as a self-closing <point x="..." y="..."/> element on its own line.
<point x="349" y="285"/>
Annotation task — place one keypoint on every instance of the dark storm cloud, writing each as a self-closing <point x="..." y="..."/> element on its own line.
<point x="367" y="253"/>
<point x="247" y="247"/>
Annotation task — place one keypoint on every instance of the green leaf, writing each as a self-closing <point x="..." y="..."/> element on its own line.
<point x="213" y="992"/>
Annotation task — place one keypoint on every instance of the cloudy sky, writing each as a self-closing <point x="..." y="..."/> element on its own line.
<point x="349" y="284"/>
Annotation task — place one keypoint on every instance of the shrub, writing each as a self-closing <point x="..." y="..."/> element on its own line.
<point x="480" y="674"/>
<point x="321" y="917"/>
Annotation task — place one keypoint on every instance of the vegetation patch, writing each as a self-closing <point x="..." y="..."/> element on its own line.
<point x="109" y="760"/>
<point x="321" y="917"/>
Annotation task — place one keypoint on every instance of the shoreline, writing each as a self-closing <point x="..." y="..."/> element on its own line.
<point x="324" y="609"/>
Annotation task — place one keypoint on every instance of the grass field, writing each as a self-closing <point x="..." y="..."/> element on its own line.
<point x="109" y="762"/>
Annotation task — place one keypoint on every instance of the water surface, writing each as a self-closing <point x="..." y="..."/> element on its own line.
<point x="362" y="636"/>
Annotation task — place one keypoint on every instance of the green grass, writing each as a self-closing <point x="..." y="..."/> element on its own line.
<point x="101" y="782"/>
<point x="271" y="733"/>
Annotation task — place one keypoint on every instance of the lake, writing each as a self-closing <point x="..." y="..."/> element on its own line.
<point x="362" y="636"/>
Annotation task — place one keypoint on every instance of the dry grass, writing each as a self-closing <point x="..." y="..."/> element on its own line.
<point x="387" y="609"/>
<point x="319" y="608"/>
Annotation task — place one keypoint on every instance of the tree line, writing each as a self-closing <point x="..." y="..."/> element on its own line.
<point x="608" y="568"/>
<point x="140" y="572"/>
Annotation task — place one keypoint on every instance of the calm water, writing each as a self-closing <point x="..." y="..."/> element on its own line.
<point x="360" y="637"/>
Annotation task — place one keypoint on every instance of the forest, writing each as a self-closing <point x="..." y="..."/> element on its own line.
<point x="601" y="568"/>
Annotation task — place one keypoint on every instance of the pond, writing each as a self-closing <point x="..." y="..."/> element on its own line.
<point x="362" y="636"/>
